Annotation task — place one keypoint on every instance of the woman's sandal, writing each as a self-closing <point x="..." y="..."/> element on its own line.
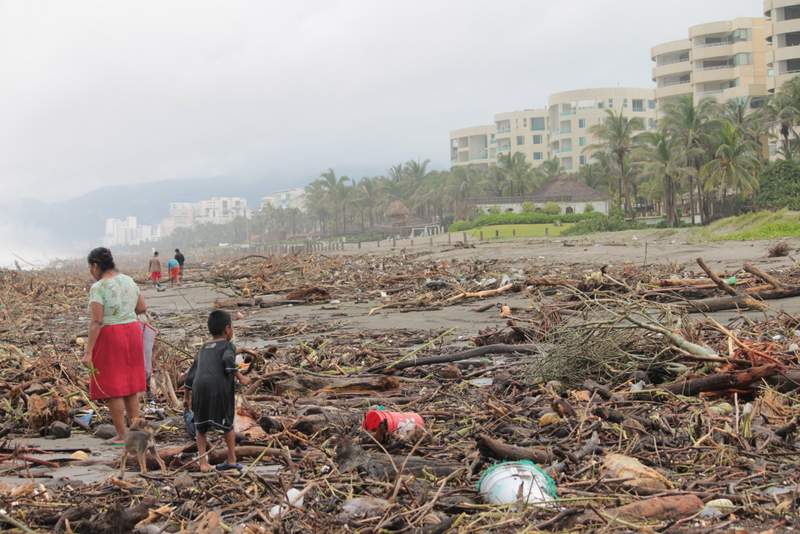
<point x="228" y="467"/>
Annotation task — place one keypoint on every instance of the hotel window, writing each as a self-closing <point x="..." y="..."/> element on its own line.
<point x="625" y="103"/>
<point x="581" y="141"/>
<point x="537" y="124"/>
<point x="538" y="156"/>
<point x="520" y="140"/>
<point x="610" y="103"/>
<point x="743" y="59"/>
<point x="651" y="104"/>
<point x="581" y="123"/>
<point x="524" y="123"/>
<point x="537" y="140"/>
<point x="583" y="160"/>
<point x="638" y="105"/>
<point x="740" y="35"/>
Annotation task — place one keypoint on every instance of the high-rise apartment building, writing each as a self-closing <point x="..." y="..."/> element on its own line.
<point x="783" y="41"/>
<point x="573" y="113"/>
<point x="722" y="60"/>
<point x="559" y="130"/>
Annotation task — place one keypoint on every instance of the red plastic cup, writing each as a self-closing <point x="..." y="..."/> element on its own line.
<point x="374" y="418"/>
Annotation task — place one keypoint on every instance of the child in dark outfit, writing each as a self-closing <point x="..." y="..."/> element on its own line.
<point x="210" y="389"/>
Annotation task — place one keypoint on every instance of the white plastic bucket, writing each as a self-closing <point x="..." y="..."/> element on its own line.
<point x="516" y="482"/>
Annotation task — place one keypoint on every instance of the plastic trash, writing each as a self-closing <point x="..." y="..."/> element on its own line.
<point x="84" y="419"/>
<point x="188" y="418"/>
<point x="396" y="422"/>
<point x="516" y="482"/>
<point x="636" y="474"/>
<point x="294" y="499"/>
<point x="717" y="508"/>
<point x="149" y="339"/>
<point x="731" y="281"/>
<point x="436" y="284"/>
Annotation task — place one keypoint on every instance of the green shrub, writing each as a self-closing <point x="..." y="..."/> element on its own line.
<point x="600" y="223"/>
<point x="551" y="208"/>
<point x="588" y="208"/>
<point x="528" y="207"/>
<point x="494" y="210"/>
<point x="780" y="185"/>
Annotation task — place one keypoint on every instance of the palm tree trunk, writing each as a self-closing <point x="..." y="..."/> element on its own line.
<point x="691" y="198"/>
<point x="625" y="187"/>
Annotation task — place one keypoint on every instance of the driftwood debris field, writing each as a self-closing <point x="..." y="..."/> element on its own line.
<point x="656" y="398"/>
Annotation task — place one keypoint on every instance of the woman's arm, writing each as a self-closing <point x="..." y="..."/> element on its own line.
<point x="141" y="306"/>
<point x="95" y="324"/>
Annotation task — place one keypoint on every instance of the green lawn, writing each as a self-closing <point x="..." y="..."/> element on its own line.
<point x="522" y="230"/>
<point x="752" y="226"/>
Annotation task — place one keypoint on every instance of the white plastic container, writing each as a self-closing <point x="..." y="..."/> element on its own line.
<point x="516" y="482"/>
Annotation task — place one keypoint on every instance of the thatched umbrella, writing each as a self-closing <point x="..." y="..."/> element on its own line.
<point x="398" y="213"/>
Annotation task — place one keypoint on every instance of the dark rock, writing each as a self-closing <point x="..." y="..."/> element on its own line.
<point x="60" y="430"/>
<point x="105" y="432"/>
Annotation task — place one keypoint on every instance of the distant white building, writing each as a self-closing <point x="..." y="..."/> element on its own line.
<point x="127" y="231"/>
<point x="216" y="210"/>
<point x="288" y="199"/>
<point x="220" y="210"/>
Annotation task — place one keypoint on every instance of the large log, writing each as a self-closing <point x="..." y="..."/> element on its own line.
<point x="744" y="301"/>
<point x="752" y="269"/>
<point x="458" y="356"/>
<point x="721" y="381"/>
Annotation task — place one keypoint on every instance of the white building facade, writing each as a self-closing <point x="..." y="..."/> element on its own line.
<point x="127" y="232"/>
<point x="288" y="199"/>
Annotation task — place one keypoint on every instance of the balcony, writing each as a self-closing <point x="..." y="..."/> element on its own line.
<point x="672" y="69"/>
<point x="715" y="74"/>
<point x="787" y="52"/>
<point x="672" y="47"/>
<point x="503" y="130"/>
<point x="674" y="90"/>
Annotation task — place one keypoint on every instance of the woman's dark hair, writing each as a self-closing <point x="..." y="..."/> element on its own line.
<point x="101" y="257"/>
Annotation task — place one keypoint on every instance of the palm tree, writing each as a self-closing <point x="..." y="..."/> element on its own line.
<point x="784" y="112"/>
<point x="369" y="192"/>
<point x="516" y="170"/>
<point x="550" y="169"/>
<point x="754" y="125"/>
<point x="662" y="162"/>
<point x="318" y="204"/>
<point x="616" y="135"/>
<point x="597" y="174"/>
<point x="464" y="181"/>
<point x="336" y="194"/>
<point x="735" y="163"/>
<point x="690" y="125"/>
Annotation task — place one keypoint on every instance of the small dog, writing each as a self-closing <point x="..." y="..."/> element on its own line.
<point x="140" y="440"/>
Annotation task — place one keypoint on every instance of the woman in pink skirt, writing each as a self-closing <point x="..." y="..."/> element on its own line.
<point x="115" y="350"/>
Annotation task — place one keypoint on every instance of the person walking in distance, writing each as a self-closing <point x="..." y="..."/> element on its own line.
<point x="181" y="259"/>
<point x="155" y="269"/>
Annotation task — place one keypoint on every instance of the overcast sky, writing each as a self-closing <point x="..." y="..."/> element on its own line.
<point x="95" y="93"/>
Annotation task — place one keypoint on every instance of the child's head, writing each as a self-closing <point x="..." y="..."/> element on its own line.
<point x="219" y="324"/>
